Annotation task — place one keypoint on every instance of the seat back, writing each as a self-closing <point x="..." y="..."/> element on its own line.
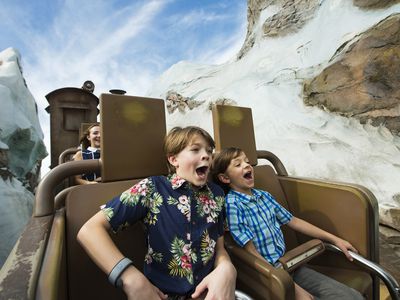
<point x="132" y="133"/>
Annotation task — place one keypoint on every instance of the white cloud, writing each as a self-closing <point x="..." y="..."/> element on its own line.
<point x="115" y="45"/>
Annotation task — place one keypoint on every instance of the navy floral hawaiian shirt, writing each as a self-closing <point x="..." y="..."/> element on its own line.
<point x="183" y="225"/>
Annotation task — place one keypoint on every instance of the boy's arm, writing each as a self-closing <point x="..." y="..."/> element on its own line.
<point x="94" y="238"/>
<point x="221" y="282"/>
<point x="313" y="231"/>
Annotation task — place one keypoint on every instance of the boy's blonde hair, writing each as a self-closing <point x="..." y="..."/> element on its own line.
<point x="178" y="138"/>
<point x="221" y="162"/>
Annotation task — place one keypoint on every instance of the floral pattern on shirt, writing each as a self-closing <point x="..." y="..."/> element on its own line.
<point x="151" y="255"/>
<point x="144" y="193"/>
<point x="182" y="258"/>
<point x="209" y="206"/>
<point x="207" y="247"/>
<point x="176" y="181"/>
<point x="153" y="206"/>
<point x="109" y="212"/>
<point x="183" y="204"/>
<point x="140" y="190"/>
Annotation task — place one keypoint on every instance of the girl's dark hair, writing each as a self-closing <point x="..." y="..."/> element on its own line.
<point x="83" y="141"/>
<point x="221" y="163"/>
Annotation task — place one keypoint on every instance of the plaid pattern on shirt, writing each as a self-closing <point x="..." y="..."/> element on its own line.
<point x="257" y="218"/>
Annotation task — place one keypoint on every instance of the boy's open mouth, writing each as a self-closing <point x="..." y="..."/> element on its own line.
<point x="202" y="171"/>
<point x="248" y="175"/>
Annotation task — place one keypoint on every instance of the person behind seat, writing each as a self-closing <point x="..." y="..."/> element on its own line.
<point x="254" y="219"/>
<point x="90" y="143"/>
<point x="183" y="215"/>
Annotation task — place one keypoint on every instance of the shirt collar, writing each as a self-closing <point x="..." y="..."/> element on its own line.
<point x="245" y="197"/>
<point x="177" y="181"/>
<point x="92" y="149"/>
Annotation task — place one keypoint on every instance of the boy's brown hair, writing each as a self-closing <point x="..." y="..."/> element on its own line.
<point x="221" y="163"/>
<point x="178" y="138"/>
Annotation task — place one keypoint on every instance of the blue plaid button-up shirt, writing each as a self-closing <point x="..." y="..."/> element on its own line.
<point x="257" y="218"/>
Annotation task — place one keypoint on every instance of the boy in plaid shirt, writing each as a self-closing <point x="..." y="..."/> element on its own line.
<point x="254" y="219"/>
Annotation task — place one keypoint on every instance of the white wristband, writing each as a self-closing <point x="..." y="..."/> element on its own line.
<point x="116" y="272"/>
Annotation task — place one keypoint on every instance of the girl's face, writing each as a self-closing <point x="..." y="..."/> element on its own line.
<point x="94" y="137"/>
<point x="193" y="162"/>
<point x="239" y="175"/>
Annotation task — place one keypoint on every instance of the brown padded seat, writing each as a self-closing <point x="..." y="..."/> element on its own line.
<point x="85" y="279"/>
<point x="342" y="209"/>
<point x="133" y="129"/>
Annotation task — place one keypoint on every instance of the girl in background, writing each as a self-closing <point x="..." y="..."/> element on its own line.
<point x="90" y="149"/>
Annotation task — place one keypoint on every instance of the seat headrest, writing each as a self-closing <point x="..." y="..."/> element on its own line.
<point x="233" y="127"/>
<point x="132" y="136"/>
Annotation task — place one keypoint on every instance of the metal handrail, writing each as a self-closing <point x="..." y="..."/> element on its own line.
<point x="44" y="200"/>
<point x="390" y="282"/>
<point x="276" y="162"/>
<point x="63" y="156"/>
<point x="242" y="296"/>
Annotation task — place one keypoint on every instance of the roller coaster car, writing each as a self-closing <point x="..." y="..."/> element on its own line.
<point x="48" y="263"/>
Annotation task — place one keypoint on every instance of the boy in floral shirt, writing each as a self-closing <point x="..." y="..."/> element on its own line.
<point x="183" y="214"/>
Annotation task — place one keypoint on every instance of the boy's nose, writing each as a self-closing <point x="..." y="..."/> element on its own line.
<point x="205" y="155"/>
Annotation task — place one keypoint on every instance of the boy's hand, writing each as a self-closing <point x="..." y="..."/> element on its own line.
<point x="137" y="287"/>
<point x="220" y="283"/>
<point x="345" y="246"/>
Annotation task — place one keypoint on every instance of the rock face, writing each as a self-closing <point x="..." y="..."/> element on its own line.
<point x="291" y="16"/>
<point x="374" y="3"/>
<point x="390" y="216"/>
<point x="362" y="80"/>
<point x="176" y="101"/>
<point x="21" y="150"/>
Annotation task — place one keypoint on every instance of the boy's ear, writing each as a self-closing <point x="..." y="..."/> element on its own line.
<point x="172" y="160"/>
<point x="223" y="178"/>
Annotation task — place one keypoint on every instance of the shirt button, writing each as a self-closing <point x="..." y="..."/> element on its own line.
<point x="194" y="223"/>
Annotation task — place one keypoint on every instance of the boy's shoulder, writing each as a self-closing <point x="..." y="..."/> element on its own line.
<point x="215" y="188"/>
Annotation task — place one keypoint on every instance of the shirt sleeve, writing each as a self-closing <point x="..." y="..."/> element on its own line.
<point x="130" y="206"/>
<point x="238" y="227"/>
<point x="282" y="215"/>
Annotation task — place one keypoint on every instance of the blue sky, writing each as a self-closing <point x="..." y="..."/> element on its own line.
<point x="117" y="43"/>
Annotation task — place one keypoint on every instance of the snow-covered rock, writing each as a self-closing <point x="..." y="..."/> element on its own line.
<point x="21" y="150"/>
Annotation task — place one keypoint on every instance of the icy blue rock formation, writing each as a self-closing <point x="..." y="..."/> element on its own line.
<point x="21" y="150"/>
